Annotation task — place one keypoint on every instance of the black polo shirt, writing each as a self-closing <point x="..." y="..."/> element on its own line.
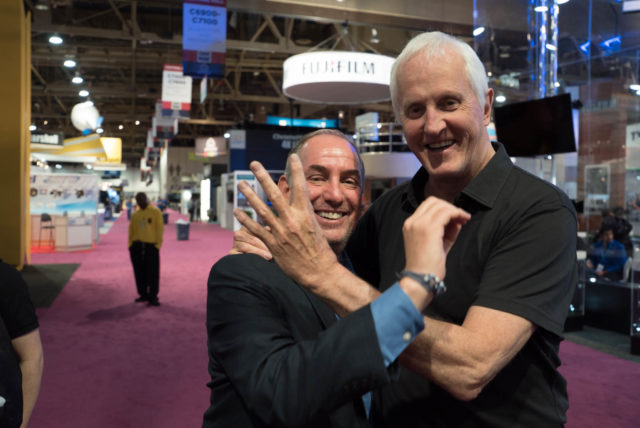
<point x="517" y="255"/>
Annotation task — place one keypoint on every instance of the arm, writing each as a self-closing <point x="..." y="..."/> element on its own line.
<point x="29" y="350"/>
<point x="130" y="232"/>
<point x="460" y="358"/>
<point x="265" y="334"/>
<point x="159" y="229"/>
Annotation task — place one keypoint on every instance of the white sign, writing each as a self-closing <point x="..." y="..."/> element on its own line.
<point x="238" y="139"/>
<point x="60" y="193"/>
<point x="633" y="135"/>
<point x="204" y="36"/>
<point x="337" y="77"/>
<point x="176" y="87"/>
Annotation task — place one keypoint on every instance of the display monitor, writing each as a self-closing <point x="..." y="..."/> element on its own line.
<point x="537" y="127"/>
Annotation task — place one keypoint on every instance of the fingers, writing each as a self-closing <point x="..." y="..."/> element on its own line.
<point x="246" y="243"/>
<point x="253" y="226"/>
<point x="299" y="187"/>
<point x="270" y="188"/>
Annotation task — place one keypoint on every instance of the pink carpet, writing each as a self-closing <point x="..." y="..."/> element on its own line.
<point x="603" y="389"/>
<point x="110" y="362"/>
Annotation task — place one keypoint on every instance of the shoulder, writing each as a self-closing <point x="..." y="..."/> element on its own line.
<point x="243" y="267"/>
<point x="535" y="193"/>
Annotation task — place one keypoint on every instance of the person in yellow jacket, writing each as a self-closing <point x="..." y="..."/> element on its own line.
<point x="145" y="239"/>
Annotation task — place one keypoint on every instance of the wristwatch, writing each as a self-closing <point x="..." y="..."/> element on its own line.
<point x="429" y="281"/>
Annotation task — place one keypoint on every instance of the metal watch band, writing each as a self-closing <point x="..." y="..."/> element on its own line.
<point x="429" y="281"/>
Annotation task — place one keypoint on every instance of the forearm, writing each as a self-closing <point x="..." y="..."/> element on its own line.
<point x="29" y="351"/>
<point x="31" y="378"/>
<point x="464" y="359"/>
<point x="340" y="289"/>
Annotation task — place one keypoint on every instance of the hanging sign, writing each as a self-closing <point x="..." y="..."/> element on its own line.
<point x="204" y="35"/>
<point x="176" y="92"/>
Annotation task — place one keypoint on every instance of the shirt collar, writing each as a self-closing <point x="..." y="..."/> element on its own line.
<point x="484" y="188"/>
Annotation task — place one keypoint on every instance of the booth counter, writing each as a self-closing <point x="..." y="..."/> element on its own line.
<point x="64" y="233"/>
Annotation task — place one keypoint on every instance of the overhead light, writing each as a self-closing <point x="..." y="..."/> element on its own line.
<point x="562" y="1"/>
<point x="69" y="63"/>
<point x="556" y="84"/>
<point x="501" y="99"/>
<point x="32" y="127"/>
<point x="55" y="40"/>
<point x="58" y="166"/>
<point x="42" y="5"/>
<point x="551" y="47"/>
<point x="478" y="31"/>
<point x="541" y="8"/>
<point x="45" y="122"/>
<point x="137" y="122"/>
<point x="83" y="93"/>
<point x="77" y="79"/>
<point x="99" y="130"/>
<point x="227" y="135"/>
<point x="374" y="36"/>
<point x="120" y="127"/>
<point x="634" y="87"/>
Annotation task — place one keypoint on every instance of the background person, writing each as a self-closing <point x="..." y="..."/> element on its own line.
<point x="22" y="357"/>
<point x="488" y="355"/>
<point x="145" y="239"/>
<point x="607" y="256"/>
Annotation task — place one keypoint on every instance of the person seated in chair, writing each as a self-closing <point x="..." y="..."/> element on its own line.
<point x="607" y="256"/>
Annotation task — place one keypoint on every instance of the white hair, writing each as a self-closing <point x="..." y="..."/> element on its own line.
<point x="435" y="45"/>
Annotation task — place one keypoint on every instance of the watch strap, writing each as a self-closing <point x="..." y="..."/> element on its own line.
<point x="430" y="282"/>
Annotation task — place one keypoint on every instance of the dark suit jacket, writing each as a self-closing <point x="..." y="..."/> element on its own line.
<point x="278" y="357"/>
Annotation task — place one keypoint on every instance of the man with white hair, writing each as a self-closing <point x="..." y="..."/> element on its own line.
<point x="488" y="354"/>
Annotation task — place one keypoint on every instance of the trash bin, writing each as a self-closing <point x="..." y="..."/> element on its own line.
<point x="165" y="218"/>
<point x="183" y="231"/>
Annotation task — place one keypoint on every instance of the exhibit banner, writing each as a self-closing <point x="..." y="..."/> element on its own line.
<point x="64" y="193"/>
<point x="176" y="92"/>
<point x="204" y="36"/>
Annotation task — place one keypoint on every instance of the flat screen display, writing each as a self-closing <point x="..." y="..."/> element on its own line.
<point x="537" y="127"/>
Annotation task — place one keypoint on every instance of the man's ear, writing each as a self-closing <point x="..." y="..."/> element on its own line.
<point x="283" y="185"/>
<point x="488" y="102"/>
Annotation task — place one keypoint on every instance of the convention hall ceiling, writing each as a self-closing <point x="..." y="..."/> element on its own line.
<point x="120" y="47"/>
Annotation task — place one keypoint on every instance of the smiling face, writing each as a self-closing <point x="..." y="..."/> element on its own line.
<point x="333" y="179"/>
<point x="443" y="121"/>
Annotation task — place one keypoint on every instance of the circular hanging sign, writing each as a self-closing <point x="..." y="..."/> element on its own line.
<point x="337" y="77"/>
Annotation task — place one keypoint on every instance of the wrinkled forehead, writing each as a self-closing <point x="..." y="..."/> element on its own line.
<point x="327" y="149"/>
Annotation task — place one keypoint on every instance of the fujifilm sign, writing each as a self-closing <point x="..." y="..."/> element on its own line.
<point x="337" y="77"/>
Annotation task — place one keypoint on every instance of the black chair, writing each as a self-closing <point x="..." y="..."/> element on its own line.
<point x="46" y="223"/>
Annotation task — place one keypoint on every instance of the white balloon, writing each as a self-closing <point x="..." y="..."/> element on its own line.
<point x="85" y="116"/>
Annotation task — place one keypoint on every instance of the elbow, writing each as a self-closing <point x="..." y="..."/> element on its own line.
<point x="472" y="384"/>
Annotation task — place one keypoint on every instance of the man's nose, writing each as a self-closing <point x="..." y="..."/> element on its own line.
<point x="433" y="122"/>
<point x="333" y="192"/>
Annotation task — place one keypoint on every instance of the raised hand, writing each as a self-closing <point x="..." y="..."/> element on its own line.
<point x="293" y="236"/>
<point x="430" y="233"/>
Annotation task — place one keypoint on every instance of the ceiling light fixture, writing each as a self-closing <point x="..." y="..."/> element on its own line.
<point x="120" y="127"/>
<point x="42" y="5"/>
<point x="32" y="127"/>
<point x="99" y="130"/>
<point x="83" y="93"/>
<point x="137" y="122"/>
<point x="501" y="99"/>
<point x="77" y="79"/>
<point x="55" y="40"/>
<point x="541" y="8"/>
<point x="634" y="87"/>
<point x="69" y="63"/>
<point x="374" y="36"/>
<point x="478" y="31"/>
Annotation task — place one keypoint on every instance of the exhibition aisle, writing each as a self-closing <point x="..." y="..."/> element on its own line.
<point x="110" y="362"/>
